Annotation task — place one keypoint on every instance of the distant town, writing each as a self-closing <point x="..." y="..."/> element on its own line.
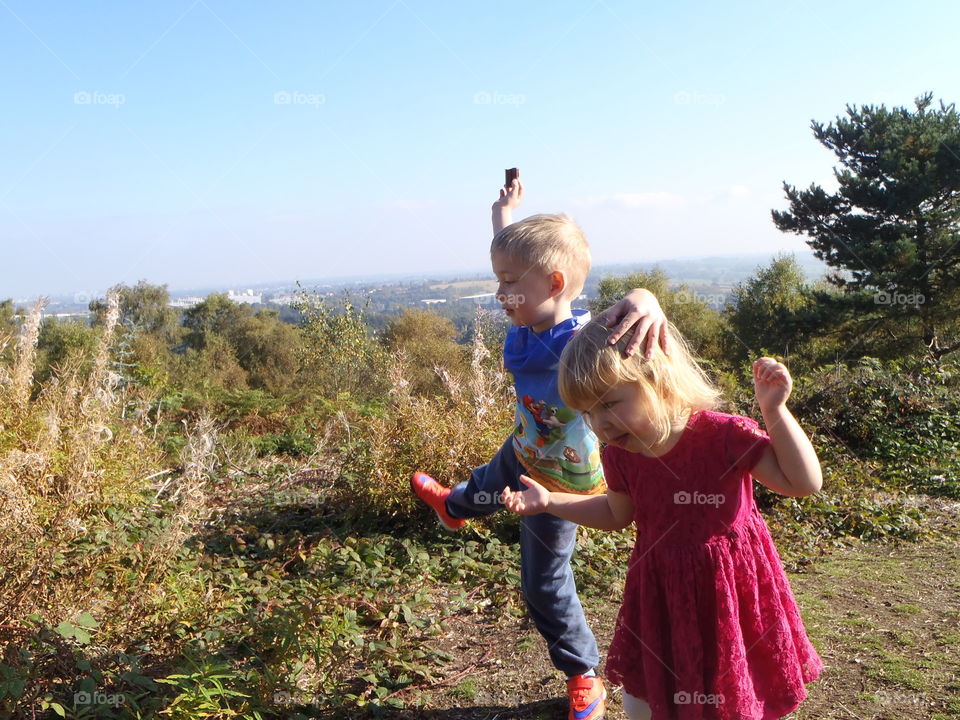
<point x="711" y="278"/>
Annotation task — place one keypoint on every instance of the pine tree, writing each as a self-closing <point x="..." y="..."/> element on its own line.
<point x="893" y="226"/>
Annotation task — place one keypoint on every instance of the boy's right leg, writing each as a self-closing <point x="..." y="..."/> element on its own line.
<point x="479" y="496"/>
<point x="435" y="495"/>
<point x="482" y="494"/>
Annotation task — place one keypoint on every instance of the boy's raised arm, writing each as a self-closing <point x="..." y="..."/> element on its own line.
<point x="502" y="210"/>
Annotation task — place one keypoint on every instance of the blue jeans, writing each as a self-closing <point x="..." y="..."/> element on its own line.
<point x="546" y="545"/>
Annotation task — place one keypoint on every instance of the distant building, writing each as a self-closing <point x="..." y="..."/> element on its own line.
<point x="65" y="316"/>
<point x="481" y="298"/>
<point x="433" y="301"/>
<point x="186" y="302"/>
<point x="288" y="299"/>
<point x="248" y="297"/>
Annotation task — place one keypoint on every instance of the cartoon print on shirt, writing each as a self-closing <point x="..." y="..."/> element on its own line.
<point x="549" y="419"/>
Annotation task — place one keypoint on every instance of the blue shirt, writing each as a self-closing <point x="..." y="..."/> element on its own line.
<point x="552" y="442"/>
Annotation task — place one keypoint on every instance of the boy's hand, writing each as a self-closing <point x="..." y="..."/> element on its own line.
<point x="503" y="207"/>
<point x="641" y="308"/>
<point x="772" y="383"/>
<point x="511" y="198"/>
<point x="535" y="499"/>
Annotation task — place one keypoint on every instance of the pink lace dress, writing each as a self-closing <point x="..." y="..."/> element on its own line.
<point x="708" y="627"/>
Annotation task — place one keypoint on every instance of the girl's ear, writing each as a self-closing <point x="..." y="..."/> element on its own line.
<point x="558" y="282"/>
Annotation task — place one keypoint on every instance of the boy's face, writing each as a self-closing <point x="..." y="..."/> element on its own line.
<point x="527" y="293"/>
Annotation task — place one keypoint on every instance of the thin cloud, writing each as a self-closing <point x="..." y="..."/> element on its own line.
<point x="635" y="200"/>
<point x="410" y="205"/>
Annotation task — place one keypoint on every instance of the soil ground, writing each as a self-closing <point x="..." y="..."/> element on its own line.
<point x="885" y="619"/>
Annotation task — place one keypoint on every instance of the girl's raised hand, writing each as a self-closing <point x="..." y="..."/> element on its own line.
<point x="531" y="501"/>
<point x="772" y="383"/>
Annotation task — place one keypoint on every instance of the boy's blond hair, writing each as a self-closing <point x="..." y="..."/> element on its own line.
<point x="672" y="386"/>
<point x="551" y="243"/>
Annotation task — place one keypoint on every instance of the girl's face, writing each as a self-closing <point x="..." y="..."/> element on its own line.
<point x="619" y="418"/>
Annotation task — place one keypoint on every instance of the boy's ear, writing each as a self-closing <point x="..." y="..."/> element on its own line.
<point x="558" y="282"/>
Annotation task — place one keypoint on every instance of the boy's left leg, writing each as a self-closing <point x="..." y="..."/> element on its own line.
<point x="546" y="545"/>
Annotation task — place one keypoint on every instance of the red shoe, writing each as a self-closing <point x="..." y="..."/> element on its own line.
<point x="587" y="698"/>
<point x="435" y="495"/>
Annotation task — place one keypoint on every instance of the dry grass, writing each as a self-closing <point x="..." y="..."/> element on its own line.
<point x="445" y="435"/>
<point x="68" y="456"/>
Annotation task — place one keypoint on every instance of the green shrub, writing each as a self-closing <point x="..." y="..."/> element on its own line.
<point x="445" y="435"/>
<point x="902" y="417"/>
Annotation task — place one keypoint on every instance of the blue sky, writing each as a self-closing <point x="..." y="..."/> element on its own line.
<point x="206" y="142"/>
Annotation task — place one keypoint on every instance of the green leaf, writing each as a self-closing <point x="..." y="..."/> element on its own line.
<point x="87" y="621"/>
<point x="88" y="684"/>
<point x="65" y="629"/>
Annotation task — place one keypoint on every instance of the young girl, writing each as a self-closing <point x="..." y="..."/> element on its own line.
<point x="708" y="627"/>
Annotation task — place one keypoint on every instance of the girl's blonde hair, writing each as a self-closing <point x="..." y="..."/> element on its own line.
<point x="671" y="386"/>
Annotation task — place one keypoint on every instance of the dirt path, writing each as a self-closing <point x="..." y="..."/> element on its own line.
<point x="885" y="619"/>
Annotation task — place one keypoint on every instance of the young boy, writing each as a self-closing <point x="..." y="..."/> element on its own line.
<point x="541" y="264"/>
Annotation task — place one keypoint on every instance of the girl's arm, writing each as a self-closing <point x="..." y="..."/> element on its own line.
<point x="613" y="511"/>
<point x="790" y="465"/>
